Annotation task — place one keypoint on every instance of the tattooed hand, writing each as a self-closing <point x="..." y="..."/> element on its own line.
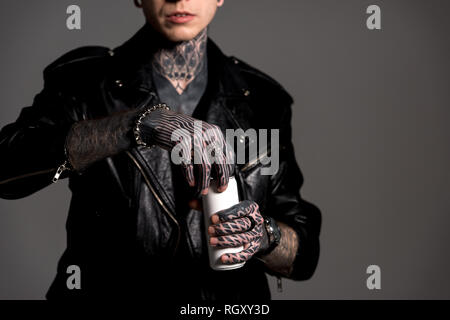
<point x="200" y="145"/>
<point x="242" y="224"/>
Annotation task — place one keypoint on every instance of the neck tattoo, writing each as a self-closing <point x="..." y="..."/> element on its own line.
<point x="181" y="63"/>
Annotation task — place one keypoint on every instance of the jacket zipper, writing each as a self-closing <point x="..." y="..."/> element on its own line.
<point x="65" y="166"/>
<point x="253" y="162"/>
<point x="279" y="284"/>
<point x="147" y="181"/>
<point x="26" y="175"/>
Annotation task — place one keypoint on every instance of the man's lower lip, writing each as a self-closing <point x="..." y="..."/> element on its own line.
<point x="180" y="19"/>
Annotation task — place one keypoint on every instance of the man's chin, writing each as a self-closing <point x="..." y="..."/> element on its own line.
<point x="180" y="35"/>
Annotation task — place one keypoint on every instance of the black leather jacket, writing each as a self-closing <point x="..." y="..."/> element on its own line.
<point x="122" y="228"/>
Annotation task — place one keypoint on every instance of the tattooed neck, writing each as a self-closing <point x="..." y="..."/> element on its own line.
<point x="181" y="62"/>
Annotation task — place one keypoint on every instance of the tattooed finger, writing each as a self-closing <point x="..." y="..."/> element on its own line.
<point x="222" y="175"/>
<point x="232" y="227"/>
<point x="244" y="255"/>
<point x="235" y="240"/>
<point x="188" y="173"/>
<point x="239" y="210"/>
<point x="220" y="168"/>
<point x="203" y="177"/>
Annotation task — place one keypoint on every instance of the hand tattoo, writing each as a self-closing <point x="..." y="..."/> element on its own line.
<point x="201" y="146"/>
<point x="183" y="62"/>
<point x="242" y="224"/>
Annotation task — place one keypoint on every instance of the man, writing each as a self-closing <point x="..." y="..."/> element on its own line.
<point x="135" y="227"/>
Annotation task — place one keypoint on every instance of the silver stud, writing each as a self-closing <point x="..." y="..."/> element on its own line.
<point x="111" y="52"/>
<point x="235" y="61"/>
<point x="246" y="93"/>
<point x="119" y="83"/>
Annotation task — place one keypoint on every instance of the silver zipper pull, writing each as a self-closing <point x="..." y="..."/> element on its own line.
<point x="279" y="285"/>
<point x="60" y="170"/>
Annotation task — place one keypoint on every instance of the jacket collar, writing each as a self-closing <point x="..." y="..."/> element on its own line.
<point x="132" y="60"/>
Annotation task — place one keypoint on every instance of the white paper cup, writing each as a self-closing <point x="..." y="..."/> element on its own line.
<point x="212" y="203"/>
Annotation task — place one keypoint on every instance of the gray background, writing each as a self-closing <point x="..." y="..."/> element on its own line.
<point x="370" y="131"/>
